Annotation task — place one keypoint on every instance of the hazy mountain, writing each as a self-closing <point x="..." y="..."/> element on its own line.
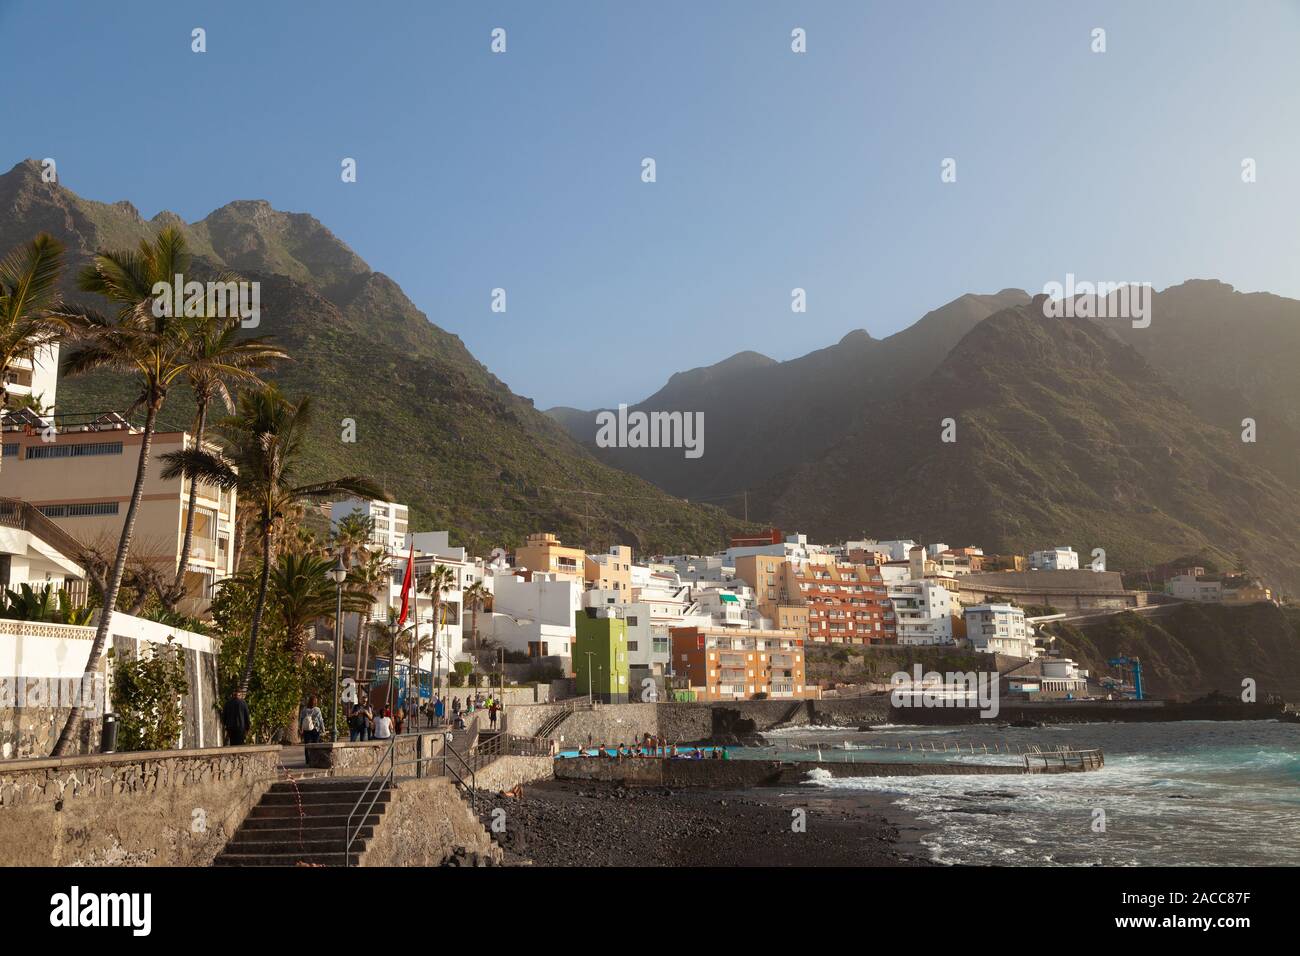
<point x="762" y="416"/>
<point x="433" y="423"/>
<point x="1064" y="435"/>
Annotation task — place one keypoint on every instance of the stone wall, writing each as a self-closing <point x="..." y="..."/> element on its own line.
<point x="689" y="723"/>
<point x="359" y="758"/>
<point x="424" y="824"/>
<point x="172" y="808"/>
<point x="505" y="773"/>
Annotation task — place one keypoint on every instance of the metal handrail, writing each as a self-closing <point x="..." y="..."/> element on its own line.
<point x="389" y="755"/>
<point x="471" y="788"/>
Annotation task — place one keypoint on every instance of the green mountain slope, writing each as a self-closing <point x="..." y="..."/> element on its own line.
<point x="443" y="433"/>
<point x="1063" y="435"/>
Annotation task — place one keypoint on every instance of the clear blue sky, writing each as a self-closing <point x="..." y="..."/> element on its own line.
<point x="775" y="170"/>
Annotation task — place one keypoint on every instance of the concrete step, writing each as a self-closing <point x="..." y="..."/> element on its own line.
<point x="323" y="795"/>
<point x="290" y="846"/>
<point x="293" y="834"/>
<point x="322" y="784"/>
<point x="291" y="810"/>
<point x="285" y="859"/>
<point x="311" y="822"/>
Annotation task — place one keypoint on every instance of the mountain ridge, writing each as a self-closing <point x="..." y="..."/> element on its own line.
<point x="442" y="432"/>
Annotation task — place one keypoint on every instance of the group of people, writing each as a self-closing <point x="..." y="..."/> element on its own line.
<point x="652" y="746"/>
<point x="365" y="723"/>
<point x="462" y="710"/>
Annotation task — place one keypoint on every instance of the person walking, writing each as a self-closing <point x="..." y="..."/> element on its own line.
<point x="313" y="722"/>
<point x="439" y="711"/>
<point x="492" y="714"/>
<point x="455" y="707"/>
<point x="236" y="720"/>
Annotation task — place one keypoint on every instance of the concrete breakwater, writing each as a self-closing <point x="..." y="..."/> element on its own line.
<point x="1083" y="712"/>
<point x="690" y="723"/>
<point x="661" y="772"/>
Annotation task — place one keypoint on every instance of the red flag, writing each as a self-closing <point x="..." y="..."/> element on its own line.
<point x="408" y="581"/>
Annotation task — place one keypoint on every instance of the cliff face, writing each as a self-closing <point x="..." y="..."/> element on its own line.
<point x="1197" y="649"/>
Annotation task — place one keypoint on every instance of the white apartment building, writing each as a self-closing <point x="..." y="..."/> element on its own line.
<point x="702" y="568"/>
<point x="923" y="612"/>
<point x="1054" y="559"/>
<point x="1190" y="587"/>
<point x="795" y="547"/>
<point x="534" y="614"/>
<point x="34" y="376"/>
<point x="999" y="629"/>
<point x="391" y="521"/>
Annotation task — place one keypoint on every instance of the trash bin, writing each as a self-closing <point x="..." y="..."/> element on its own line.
<point x="108" y="735"/>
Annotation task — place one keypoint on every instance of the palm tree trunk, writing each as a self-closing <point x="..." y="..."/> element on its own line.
<point x="247" y="677"/>
<point x="177" y="591"/>
<point x="363" y="618"/>
<point x="70" y="728"/>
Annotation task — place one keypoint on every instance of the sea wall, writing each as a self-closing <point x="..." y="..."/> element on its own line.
<point x="688" y="723"/>
<point x="1082" y="712"/>
<point x="659" y="772"/>
<point x="506" y="773"/>
<point x="172" y="808"/>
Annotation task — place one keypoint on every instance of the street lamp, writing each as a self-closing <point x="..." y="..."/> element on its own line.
<point x="338" y="574"/>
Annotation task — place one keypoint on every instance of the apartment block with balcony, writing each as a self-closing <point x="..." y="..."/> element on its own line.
<point x="392" y="521"/>
<point x="33" y="377"/>
<point x="999" y="629"/>
<point x="544" y="553"/>
<point x="924" y="612"/>
<point x="727" y="664"/>
<point x="80" y="475"/>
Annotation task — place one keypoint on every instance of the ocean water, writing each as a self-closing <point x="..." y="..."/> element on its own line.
<point x="1186" y="793"/>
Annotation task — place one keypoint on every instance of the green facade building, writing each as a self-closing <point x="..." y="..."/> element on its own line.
<point x="600" y="654"/>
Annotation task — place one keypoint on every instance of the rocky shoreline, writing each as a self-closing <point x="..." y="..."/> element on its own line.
<point x="570" y="823"/>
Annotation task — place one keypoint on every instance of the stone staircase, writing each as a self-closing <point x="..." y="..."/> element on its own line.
<point x="303" y="822"/>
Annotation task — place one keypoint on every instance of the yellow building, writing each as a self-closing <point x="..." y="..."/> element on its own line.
<point x="611" y="571"/>
<point x="80" y="476"/>
<point x="543" y="552"/>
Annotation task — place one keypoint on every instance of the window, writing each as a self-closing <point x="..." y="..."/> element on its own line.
<point x="93" y="509"/>
<point x="75" y="451"/>
<point x="631" y="621"/>
<point x="11" y="449"/>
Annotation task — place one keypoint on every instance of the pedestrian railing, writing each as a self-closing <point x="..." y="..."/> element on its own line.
<point x="450" y="762"/>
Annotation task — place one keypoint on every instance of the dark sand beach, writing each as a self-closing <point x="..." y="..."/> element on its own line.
<point x="567" y="823"/>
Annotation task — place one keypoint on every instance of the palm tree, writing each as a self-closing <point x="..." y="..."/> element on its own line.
<point x="440" y="578"/>
<point x="29" y="278"/>
<point x="155" y="348"/>
<point x="220" y="360"/>
<point x="372" y="575"/>
<point x="263" y="444"/>
<point x="475" y="598"/>
<point x="305" y="593"/>
<point x="353" y="535"/>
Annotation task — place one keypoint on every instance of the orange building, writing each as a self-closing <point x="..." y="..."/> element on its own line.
<point x="737" y="664"/>
<point x="847" y="603"/>
<point x="543" y="552"/>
